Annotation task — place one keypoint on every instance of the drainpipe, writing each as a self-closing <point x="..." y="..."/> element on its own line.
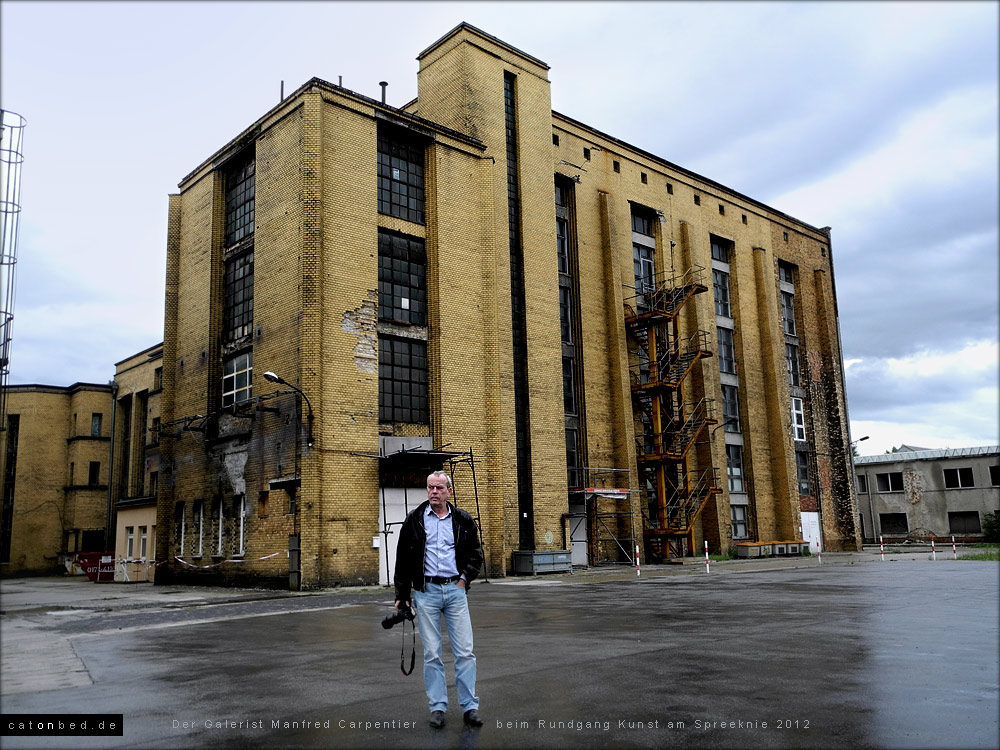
<point x="110" y="532"/>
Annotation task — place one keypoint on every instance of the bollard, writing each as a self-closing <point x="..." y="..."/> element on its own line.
<point x="881" y="546"/>
<point x="933" y="551"/>
<point x="637" y="561"/>
<point x="954" y="549"/>
<point x="706" y="558"/>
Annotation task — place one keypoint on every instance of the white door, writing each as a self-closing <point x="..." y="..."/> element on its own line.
<point x="398" y="502"/>
<point x="578" y="533"/>
<point x="810" y="532"/>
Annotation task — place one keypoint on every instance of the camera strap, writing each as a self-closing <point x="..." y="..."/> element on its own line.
<point x="402" y="649"/>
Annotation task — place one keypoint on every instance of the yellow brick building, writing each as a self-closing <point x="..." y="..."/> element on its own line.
<point x="56" y="453"/>
<point x="475" y="281"/>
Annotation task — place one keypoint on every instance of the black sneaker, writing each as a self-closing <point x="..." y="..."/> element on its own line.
<point x="472" y="718"/>
<point x="437" y="719"/>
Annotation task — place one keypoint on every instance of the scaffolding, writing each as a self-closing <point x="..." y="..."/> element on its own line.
<point x="11" y="157"/>
<point x="667" y="422"/>
<point x="408" y="468"/>
<point x="609" y="514"/>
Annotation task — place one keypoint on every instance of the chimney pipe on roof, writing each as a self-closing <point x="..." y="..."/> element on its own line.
<point x="383" y="84"/>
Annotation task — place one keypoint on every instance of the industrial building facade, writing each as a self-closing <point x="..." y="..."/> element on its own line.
<point x="610" y="352"/>
<point x="922" y="493"/>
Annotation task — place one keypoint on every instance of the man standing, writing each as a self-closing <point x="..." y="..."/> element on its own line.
<point x="437" y="557"/>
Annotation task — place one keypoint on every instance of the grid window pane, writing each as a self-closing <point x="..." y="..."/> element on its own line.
<point x="402" y="380"/>
<point x="237" y="380"/>
<point x="402" y="279"/>
<point x="788" y="312"/>
<point x="792" y="363"/>
<point x="400" y="176"/>
<point x="727" y="351"/>
<point x="734" y="467"/>
<point x="237" y="308"/>
<point x="240" y="200"/>
<point x="731" y="408"/>
<point x="720" y="281"/>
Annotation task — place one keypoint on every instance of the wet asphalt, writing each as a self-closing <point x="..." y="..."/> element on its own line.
<point x="853" y="653"/>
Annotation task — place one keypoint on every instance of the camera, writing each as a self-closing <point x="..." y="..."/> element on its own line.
<point x="403" y="613"/>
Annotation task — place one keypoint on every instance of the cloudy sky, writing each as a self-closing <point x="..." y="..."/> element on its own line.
<point x="877" y="119"/>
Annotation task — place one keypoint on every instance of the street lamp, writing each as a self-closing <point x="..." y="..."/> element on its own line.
<point x="274" y="378"/>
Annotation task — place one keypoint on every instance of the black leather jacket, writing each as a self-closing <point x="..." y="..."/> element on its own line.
<point x="409" y="572"/>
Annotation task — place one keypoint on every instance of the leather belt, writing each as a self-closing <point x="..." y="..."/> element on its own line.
<point x="441" y="579"/>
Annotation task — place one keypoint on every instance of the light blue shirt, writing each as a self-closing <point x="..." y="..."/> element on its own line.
<point x="439" y="551"/>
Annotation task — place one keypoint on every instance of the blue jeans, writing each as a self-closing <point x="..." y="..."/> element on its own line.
<point x="450" y="601"/>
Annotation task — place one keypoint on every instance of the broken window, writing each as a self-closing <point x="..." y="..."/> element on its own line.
<point x="237" y="306"/>
<point x="400" y="175"/>
<point x="802" y="472"/>
<point x="237" y="379"/>
<point x="731" y="408"/>
<point x="727" y="351"/>
<point x="955" y="479"/>
<point x="964" y="522"/>
<point x="734" y="467"/>
<point x="402" y="380"/>
<point x="738" y="517"/>
<point x="893" y="523"/>
<point x="402" y="279"/>
<point x="792" y="363"/>
<point x="889" y="482"/>
<point x="720" y="281"/>
<point x="788" y="312"/>
<point x="240" y="199"/>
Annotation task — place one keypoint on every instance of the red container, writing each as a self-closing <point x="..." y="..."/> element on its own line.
<point x="99" y="566"/>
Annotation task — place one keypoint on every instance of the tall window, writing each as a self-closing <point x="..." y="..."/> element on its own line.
<point x="738" y="516"/>
<point x="402" y="380"/>
<point x="562" y="244"/>
<point x="798" y="420"/>
<point x="727" y="350"/>
<point x="720" y="250"/>
<point x="720" y="280"/>
<point x="94" y="477"/>
<point x="644" y="267"/>
<point x="242" y="525"/>
<point x="143" y="540"/>
<point x="731" y="408"/>
<point x="642" y="224"/>
<point x="237" y="379"/>
<point x="95" y="424"/>
<point x="180" y="523"/>
<point x="569" y="386"/>
<point x="788" y="312"/>
<point x="237" y="304"/>
<point x="221" y="528"/>
<point x="129" y="541"/>
<point x="200" y="549"/>
<point x="402" y="279"/>
<point x="792" y="363"/>
<point x="565" y="307"/>
<point x="400" y="175"/>
<point x="802" y="471"/>
<point x="734" y="467"/>
<point x="240" y="191"/>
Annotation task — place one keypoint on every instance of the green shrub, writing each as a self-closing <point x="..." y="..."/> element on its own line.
<point x="991" y="528"/>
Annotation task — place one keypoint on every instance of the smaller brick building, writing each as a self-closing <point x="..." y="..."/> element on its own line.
<point x="56" y="452"/>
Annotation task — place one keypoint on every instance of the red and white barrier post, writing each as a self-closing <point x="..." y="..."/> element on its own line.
<point x="881" y="547"/>
<point x="954" y="549"/>
<point x="706" y="558"/>
<point x="637" y="573"/>
<point x="933" y="551"/>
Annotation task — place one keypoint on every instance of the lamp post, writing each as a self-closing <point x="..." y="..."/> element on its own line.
<point x="275" y="378"/>
<point x="854" y="478"/>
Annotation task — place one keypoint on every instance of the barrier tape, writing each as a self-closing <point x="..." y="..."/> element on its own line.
<point x="223" y="562"/>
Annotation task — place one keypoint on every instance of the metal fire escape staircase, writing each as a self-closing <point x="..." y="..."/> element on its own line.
<point x="667" y="425"/>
